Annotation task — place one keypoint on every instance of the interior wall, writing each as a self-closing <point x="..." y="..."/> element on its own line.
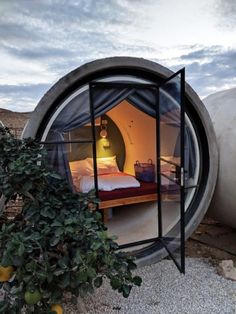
<point x="131" y="135"/>
<point x="138" y="131"/>
<point x="113" y="145"/>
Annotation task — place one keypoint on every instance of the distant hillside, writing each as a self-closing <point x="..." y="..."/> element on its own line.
<point x="14" y="120"/>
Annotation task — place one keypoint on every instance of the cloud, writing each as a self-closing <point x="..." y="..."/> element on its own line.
<point x="43" y="22"/>
<point x="52" y="33"/>
<point x="29" y="90"/>
<point x="24" y="97"/>
<point x="197" y="54"/>
<point x="41" y="41"/>
<point x="226" y="12"/>
<point x="209" y="69"/>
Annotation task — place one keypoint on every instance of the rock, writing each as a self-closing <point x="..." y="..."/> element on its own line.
<point x="226" y="269"/>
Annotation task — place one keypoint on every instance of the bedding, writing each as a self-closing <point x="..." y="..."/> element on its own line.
<point x="111" y="179"/>
<point x="145" y="188"/>
<point x="81" y="168"/>
<point x="105" y="165"/>
<point x="106" y="182"/>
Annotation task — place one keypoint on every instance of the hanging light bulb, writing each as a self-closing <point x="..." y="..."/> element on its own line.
<point x="103" y="133"/>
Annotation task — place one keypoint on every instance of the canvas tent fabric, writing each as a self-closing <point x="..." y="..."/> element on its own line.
<point x="77" y="113"/>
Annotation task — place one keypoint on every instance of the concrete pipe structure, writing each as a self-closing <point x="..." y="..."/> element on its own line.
<point x="136" y="129"/>
<point x="222" y="109"/>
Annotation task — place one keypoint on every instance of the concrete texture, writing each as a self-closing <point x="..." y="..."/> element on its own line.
<point x="222" y="109"/>
<point x="100" y="68"/>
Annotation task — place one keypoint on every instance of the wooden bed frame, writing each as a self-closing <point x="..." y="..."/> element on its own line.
<point x="106" y="205"/>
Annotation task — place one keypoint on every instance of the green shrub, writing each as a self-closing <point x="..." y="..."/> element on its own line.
<point x="57" y="243"/>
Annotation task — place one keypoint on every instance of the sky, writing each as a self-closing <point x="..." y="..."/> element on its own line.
<point x="43" y="40"/>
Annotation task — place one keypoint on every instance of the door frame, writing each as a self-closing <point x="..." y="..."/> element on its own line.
<point x="181" y="183"/>
<point x="159" y="238"/>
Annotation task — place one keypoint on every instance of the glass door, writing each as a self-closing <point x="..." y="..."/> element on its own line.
<point x="170" y="167"/>
<point x="167" y="102"/>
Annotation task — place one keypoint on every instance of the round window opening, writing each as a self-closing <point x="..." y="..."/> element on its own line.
<point x="124" y="132"/>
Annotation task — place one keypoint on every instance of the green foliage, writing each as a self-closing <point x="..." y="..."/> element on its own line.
<point x="57" y="244"/>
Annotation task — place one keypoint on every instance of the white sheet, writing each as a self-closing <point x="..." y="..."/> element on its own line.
<point x="107" y="182"/>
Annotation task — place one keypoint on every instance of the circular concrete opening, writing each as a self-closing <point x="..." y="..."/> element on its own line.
<point x="137" y="221"/>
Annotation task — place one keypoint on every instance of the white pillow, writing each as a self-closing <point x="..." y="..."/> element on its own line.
<point x="105" y="165"/>
<point x="81" y="168"/>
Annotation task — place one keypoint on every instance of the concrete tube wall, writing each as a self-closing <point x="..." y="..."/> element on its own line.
<point x="143" y="69"/>
<point x="222" y="109"/>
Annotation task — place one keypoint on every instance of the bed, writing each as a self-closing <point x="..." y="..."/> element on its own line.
<point x="116" y="188"/>
<point x="146" y="192"/>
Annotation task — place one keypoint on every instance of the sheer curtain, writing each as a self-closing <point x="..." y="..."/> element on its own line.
<point x="77" y="113"/>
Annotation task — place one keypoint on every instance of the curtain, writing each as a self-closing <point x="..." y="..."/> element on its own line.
<point x="170" y="114"/>
<point x="77" y="113"/>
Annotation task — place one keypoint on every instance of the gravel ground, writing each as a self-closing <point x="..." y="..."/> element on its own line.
<point x="166" y="291"/>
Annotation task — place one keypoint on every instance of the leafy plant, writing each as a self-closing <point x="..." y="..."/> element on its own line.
<point x="58" y="244"/>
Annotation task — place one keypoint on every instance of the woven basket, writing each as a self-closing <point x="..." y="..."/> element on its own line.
<point x="145" y="171"/>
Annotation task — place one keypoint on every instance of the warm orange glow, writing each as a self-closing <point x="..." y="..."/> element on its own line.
<point x="138" y="131"/>
<point x="103" y="133"/>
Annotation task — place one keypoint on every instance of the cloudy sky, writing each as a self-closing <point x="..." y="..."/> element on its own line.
<point x="42" y="40"/>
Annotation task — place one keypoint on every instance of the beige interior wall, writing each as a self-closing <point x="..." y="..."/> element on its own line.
<point x="138" y="131"/>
